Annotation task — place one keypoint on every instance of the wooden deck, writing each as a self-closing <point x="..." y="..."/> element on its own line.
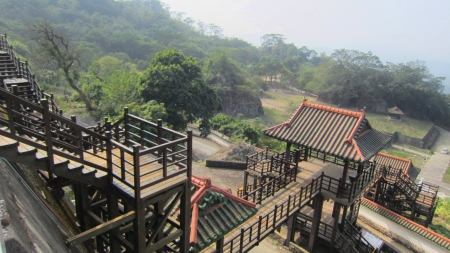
<point x="150" y="170"/>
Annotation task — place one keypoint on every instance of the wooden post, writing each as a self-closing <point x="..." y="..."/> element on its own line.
<point x="344" y="218"/>
<point x="185" y="218"/>
<point x="126" y="125"/>
<point x="113" y="212"/>
<point x="108" y="149"/>
<point x="305" y="154"/>
<point x="291" y="231"/>
<point x="336" y="212"/>
<point x="344" y="174"/>
<point x="219" y="245"/>
<point x="159" y="130"/>
<point x="189" y="156"/>
<point x="48" y="137"/>
<point x="244" y="193"/>
<point x="318" y="204"/>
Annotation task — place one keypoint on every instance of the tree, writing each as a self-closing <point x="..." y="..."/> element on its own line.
<point x="56" y="48"/>
<point x="221" y="71"/>
<point x="176" y="80"/>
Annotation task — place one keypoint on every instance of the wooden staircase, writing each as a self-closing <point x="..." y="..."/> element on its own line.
<point x="37" y="158"/>
<point x="402" y="195"/>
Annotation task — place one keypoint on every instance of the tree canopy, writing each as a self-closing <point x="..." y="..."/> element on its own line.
<point x="176" y="81"/>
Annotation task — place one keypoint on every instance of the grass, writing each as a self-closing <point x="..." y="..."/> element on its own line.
<point x="446" y="177"/>
<point x="416" y="159"/>
<point x="408" y="126"/>
<point x="441" y="217"/>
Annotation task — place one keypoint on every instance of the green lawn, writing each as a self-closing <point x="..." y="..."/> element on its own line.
<point x="446" y="177"/>
<point x="408" y="126"/>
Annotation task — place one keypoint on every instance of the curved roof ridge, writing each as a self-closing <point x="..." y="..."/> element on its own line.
<point x="335" y="110"/>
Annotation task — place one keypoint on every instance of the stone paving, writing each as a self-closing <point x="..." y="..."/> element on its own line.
<point x="436" y="164"/>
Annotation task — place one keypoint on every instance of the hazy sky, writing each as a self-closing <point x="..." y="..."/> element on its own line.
<point x="396" y="31"/>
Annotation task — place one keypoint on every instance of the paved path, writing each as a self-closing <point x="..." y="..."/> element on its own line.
<point x="437" y="164"/>
<point x="420" y="243"/>
<point x="213" y="137"/>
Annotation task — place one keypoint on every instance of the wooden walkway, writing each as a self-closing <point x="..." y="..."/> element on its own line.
<point x="307" y="172"/>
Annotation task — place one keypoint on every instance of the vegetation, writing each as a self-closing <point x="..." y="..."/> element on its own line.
<point x="408" y="126"/>
<point x="442" y="215"/>
<point x="103" y="50"/>
<point x="446" y="176"/>
<point x="176" y="81"/>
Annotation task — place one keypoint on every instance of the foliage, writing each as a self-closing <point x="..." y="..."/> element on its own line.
<point x="441" y="218"/>
<point x="221" y="120"/>
<point x="176" y="80"/>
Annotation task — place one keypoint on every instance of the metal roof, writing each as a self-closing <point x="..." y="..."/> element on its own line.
<point x="333" y="131"/>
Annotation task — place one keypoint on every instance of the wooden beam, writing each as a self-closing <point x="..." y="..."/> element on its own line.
<point x="159" y="244"/>
<point x="100" y="229"/>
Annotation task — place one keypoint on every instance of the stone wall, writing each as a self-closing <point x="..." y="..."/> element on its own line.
<point x="226" y="164"/>
<point x="425" y="142"/>
<point x="244" y="102"/>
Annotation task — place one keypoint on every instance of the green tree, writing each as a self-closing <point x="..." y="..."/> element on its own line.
<point x="176" y="80"/>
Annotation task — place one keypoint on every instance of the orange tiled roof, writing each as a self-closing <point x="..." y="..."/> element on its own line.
<point x="342" y="133"/>
<point x="393" y="161"/>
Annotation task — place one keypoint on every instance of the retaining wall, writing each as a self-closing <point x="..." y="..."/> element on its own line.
<point x="425" y="142"/>
<point x="226" y="164"/>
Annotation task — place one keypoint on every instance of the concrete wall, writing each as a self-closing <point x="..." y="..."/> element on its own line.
<point x="226" y="164"/>
<point x="425" y="142"/>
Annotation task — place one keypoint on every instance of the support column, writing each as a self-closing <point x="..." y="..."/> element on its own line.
<point x="291" y="230"/>
<point x="81" y="201"/>
<point x="113" y="212"/>
<point x="288" y="151"/>
<point x="344" y="214"/>
<point x="318" y="204"/>
<point x="139" y="231"/>
<point x="159" y="208"/>
<point x="336" y="212"/>
<point x="305" y="153"/>
<point x="245" y="190"/>
<point x="185" y="218"/>
<point x="344" y="174"/>
<point x="219" y="245"/>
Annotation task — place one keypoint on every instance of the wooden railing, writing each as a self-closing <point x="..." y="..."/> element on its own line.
<point x="305" y="221"/>
<point x="256" y="231"/>
<point x="359" y="242"/>
<point x="58" y="135"/>
<point x="268" y="161"/>
<point x="343" y="244"/>
<point x="268" y="189"/>
<point x="23" y="71"/>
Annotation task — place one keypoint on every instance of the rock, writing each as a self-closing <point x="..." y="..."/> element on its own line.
<point x="6" y="221"/>
<point x="240" y="152"/>
<point x="244" y="102"/>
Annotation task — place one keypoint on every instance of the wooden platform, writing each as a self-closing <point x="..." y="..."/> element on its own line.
<point x="150" y="172"/>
